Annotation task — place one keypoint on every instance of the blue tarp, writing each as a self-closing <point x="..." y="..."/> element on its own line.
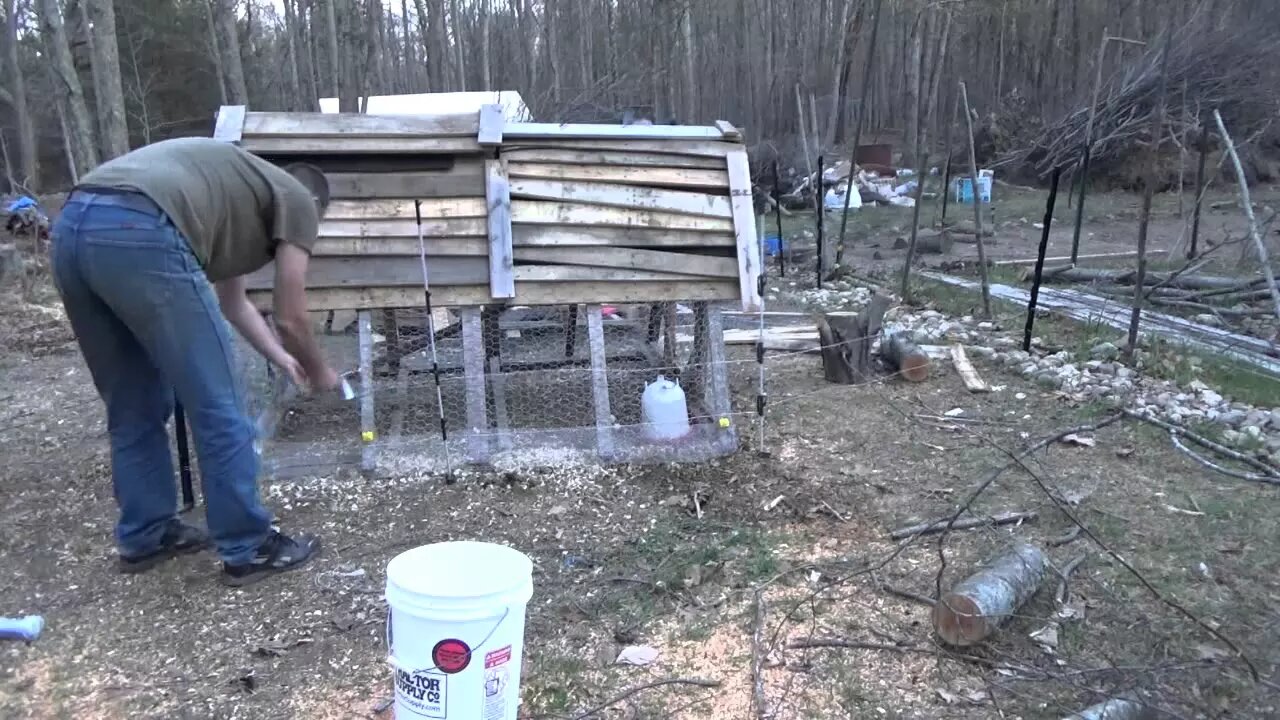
<point x="21" y="203"/>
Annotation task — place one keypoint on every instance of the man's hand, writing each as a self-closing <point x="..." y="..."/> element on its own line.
<point x="291" y="367"/>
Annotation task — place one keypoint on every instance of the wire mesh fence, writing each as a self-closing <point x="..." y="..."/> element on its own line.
<point x="501" y="388"/>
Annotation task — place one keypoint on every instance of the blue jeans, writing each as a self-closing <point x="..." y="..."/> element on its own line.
<point x="149" y="325"/>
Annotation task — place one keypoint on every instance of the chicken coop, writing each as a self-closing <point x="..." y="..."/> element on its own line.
<point x="502" y="293"/>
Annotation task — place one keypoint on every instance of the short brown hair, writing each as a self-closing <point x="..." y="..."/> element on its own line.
<point x="314" y="180"/>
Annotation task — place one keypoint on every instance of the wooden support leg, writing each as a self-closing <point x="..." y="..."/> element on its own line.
<point x="368" y="432"/>
<point x="600" y="383"/>
<point x="473" y="362"/>
<point x="571" y="331"/>
<point x="717" y="379"/>
<point x="391" y="327"/>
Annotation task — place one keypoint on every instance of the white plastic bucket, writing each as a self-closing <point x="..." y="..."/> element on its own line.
<point x="455" y="630"/>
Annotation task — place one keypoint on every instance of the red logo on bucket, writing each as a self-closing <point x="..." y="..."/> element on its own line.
<point x="451" y="656"/>
<point x="497" y="657"/>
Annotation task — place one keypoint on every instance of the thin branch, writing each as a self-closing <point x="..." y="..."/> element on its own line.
<point x="1218" y="468"/>
<point x="1259" y="246"/>
<point x="696" y="682"/>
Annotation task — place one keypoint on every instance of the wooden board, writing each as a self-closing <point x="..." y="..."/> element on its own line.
<point x="632" y="259"/>
<point x="527" y="293"/>
<point x="514" y="131"/>
<point x="599" y="382"/>
<point x="492" y="125"/>
<point x="570" y="236"/>
<point x="498" y="202"/>
<point x="545" y="212"/>
<point x="695" y="148"/>
<point x="305" y="144"/>
<point x="404" y="209"/>
<point x="404" y="247"/>
<point x="456" y="227"/>
<point x="228" y="127"/>
<point x="700" y="179"/>
<point x="624" y="196"/>
<point x="566" y="273"/>
<point x="609" y="158"/>
<point x="348" y="125"/>
<point x="744" y="227"/>
<point x="463" y="180"/>
<point x="380" y="271"/>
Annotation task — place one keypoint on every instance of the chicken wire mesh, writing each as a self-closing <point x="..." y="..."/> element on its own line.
<point x="508" y="388"/>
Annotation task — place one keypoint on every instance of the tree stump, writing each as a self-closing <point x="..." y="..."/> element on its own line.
<point x="846" y="342"/>
<point x="974" y="608"/>
<point x="905" y="357"/>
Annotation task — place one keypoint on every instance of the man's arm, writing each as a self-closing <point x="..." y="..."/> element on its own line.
<point x="291" y="317"/>
<point x="246" y="319"/>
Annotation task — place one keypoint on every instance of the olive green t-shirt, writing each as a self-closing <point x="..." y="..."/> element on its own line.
<point x="232" y="206"/>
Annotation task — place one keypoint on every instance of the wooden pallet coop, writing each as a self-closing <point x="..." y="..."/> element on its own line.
<point x="567" y="266"/>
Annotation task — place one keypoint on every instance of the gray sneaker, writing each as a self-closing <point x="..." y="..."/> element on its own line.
<point x="279" y="553"/>
<point x="179" y="538"/>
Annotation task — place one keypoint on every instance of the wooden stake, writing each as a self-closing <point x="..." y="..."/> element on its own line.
<point x="1088" y="144"/>
<point x="946" y="175"/>
<point x="977" y="204"/>
<point x="1260" y="246"/>
<point x="1200" y="184"/>
<point x="975" y="607"/>
<point x="923" y="170"/>
<point x="1144" y="220"/>
<point x="857" y="130"/>
<point x="1044" y="245"/>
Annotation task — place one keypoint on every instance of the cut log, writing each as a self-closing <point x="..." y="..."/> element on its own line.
<point x="846" y="342"/>
<point x="905" y="357"/>
<point x="1115" y="709"/>
<point x="975" y="607"/>
<point x="972" y="380"/>
<point x="1125" y="277"/>
<point x="933" y="242"/>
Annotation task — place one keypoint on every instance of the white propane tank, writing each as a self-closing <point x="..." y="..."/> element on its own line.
<point x="665" y="411"/>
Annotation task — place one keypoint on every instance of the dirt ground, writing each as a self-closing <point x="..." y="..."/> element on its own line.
<point x="1178" y="561"/>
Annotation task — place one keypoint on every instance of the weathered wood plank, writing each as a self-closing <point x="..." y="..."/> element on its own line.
<point x="695" y="148"/>
<point x="516" y="131"/>
<point x="714" y="180"/>
<point x="569" y="236"/>
<point x="305" y="144"/>
<point x="627" y="258"/>
<point x="400" y="247"/>
<point x="600" y="382"/>
<point x="346" y="125"/>
<point x="728" y="131"/>
<point x="377" y="271"/>
<point x="455" y="227"/>
<point x="230" y="123"/>
<point x="565" y="273"/>
<point x="527" y="293"/>
<point x="477" y="432"/>
<point x="624" y="196"/>
<point x="607" y="158"/>
<point x="404" y="209"/>
<point x="744" y="227"/>
<point x="498" y="200"/>
<point x="492" y="125"/>
<point x="545" y="212"/>
<point x="465" y="179"/>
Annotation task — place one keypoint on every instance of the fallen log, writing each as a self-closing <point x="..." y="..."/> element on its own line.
<point x="1115" y="709"/>
<point x="1061" y="258"/>
<point x="1125" y="277"/>
<point x="905" y="357"/>
<point x="846" y="342"/>
<point x="933" y="242"/>
<point x="975" y="607"/>
<point x="937" y="526"/>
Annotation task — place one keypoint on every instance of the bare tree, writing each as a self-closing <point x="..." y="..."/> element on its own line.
<point x="229" y="45"/>
<point x="28" y="160"/>
<point x="110" y="90"/>
<point x="79" y="126"/>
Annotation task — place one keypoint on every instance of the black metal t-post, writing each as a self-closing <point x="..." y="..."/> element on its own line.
<point x="777" y="212"/>
<point x="1044" y="246"/>
<point x="817" y="205"/>
<point x="184" y="456"/>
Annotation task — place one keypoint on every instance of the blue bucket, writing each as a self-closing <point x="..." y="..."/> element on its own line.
<point x="772" y="245"/>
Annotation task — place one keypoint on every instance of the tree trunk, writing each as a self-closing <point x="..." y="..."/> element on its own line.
<point x="297" y="101"/>
<point x="79" y="133"/>
<point x="975" y="607"/>
<point x="690" y="66"/>
<point x="214" y="52"/>
<point x="459" y="62"/>
<point x="486" y="30"/>
<point x="229" y="45"/>
<point x="28" y="160"/>
<point x="911" y="89"/>
<point x="849" y="25"/>
<point x="939" y="67"/>
<point x="106" y="61"/>
<point x="439" y="42"/>
<point x="846" y="343"/>
<point x="551" y="30"/>
<point x="335" y="58"/>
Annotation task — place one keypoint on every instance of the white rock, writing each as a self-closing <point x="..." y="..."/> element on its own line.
<point x="1210" y="397"/>
<point x="1231" y="437"/>
<point x="986" y="326"/>
<point x="1253" y="432"/>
